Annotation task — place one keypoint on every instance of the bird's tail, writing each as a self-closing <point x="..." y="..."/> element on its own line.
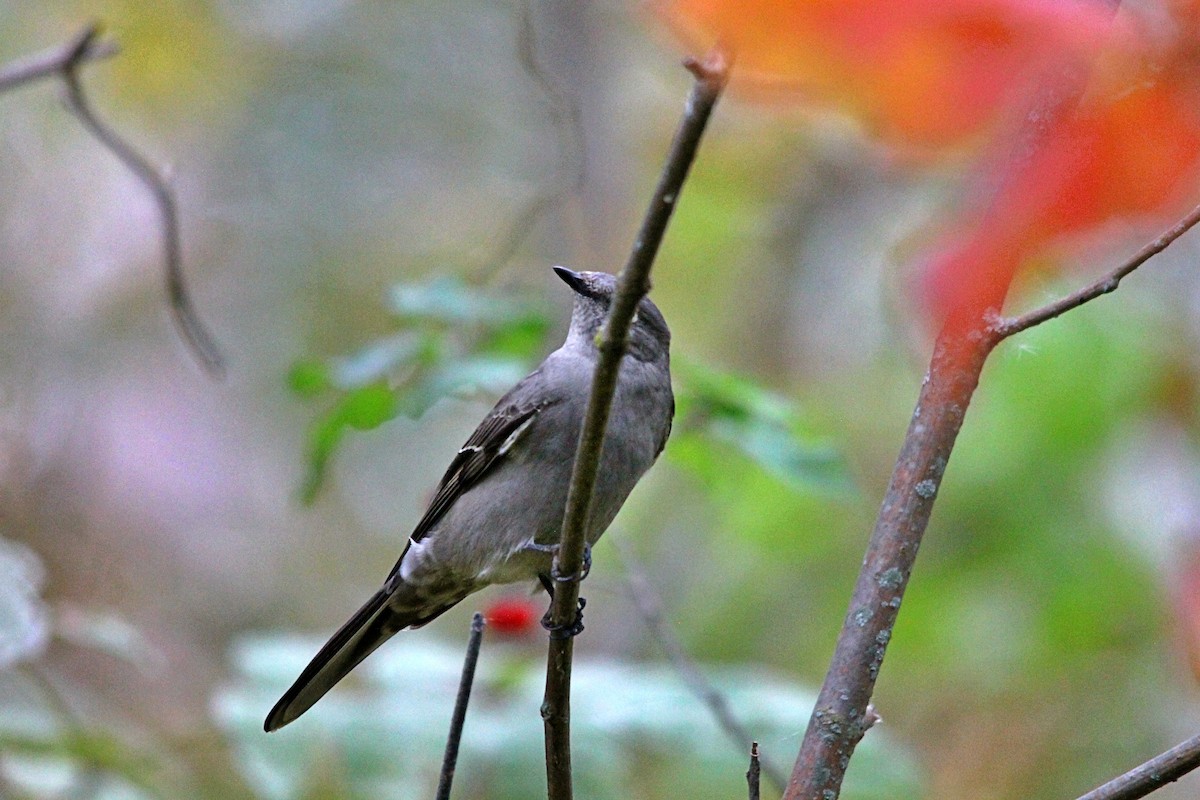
<point x="371" y="626"/>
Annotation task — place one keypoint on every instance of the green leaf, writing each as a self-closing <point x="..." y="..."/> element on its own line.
<point x="367" y="407"/>
<point x="362" y="409"/>
<point x="463" y="378"/>
<point x="447" y="299"/>
<point x="381" y="359"/>
<point x="522" y="338"/>
<point x="720" y="413"/>
<point x="309" y="378"/>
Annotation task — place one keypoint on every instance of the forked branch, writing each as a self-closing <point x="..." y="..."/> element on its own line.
<point x="65" y="62"/>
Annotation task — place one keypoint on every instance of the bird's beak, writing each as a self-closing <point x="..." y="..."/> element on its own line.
<point x="573" y="279"/>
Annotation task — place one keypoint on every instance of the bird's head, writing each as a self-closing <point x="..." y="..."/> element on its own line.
<point x="649" y="337"/>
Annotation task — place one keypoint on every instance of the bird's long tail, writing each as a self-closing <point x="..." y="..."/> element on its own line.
<point x="372" y="625"/>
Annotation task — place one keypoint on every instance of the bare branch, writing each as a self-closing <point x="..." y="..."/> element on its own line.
<point x="64" y="62"/>
<point x="182" y="310"/>
<point x="752" y="774"/>
<point x="450" y="759"/>
<point x="1005" y="327"/>
<point x="632" y="285"/>
<point x="1151" y="776"/>
<point x="649" y="606"/>
<point x="51" y="63"/>
<point x="843" y="712"/>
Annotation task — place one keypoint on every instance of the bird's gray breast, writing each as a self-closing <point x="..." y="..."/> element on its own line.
<point x="483" y="538"/>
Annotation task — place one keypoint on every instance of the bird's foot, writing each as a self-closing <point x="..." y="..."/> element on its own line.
<point x="572" y="628"/>
<point x="555" y="575"/>
<point x="549" y="582"/>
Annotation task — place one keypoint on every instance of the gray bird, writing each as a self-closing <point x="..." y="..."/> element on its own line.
<point x="498" y="511"/>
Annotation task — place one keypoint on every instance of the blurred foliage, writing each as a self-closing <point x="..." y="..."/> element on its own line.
<point x="450" y="339"/>
<point x="637" y="731"/>
<point x="326" y="151"/>
<point x="45" y="748"/>
<point x="455" y="339"/>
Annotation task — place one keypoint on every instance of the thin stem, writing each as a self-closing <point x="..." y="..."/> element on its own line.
<point x="1005" y="327"/>
<point x="450" y="759"/>
<point x="182" y="310"/>
<point x="650" y="608"/>
<point x="1151" y="776"/>
<point x="632" y="285"/>
<point x="753" y="780"/>
<point x="54" y="61"/>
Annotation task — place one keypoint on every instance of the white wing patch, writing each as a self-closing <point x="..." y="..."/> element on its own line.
<point x="414" y="554"/>
<point x="514" y="436"/>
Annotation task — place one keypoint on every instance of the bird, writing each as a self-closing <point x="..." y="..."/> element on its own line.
<point x="497" y="513"/>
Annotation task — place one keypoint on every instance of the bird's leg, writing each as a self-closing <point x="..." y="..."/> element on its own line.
<point x="575" y="626"/>
<point x="554" y="574"/>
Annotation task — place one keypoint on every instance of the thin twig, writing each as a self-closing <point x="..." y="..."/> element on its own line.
<point x="450" y="759"/>
<point x="650" y="608"/>
<point x="752" y="775"/>
<point x="632" y="285"/>
<point x="1005" y="327"/>
<point x="182" y="310"/>
<point x="1151" y="776"/>
<point x="52" y="62"/>
<point x="569" y="172"/>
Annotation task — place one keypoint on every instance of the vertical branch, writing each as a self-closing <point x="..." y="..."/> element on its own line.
<point x="753" y="775"/>
<point x="632" y="285"/>
<point x="450" y="759"/>
<point x="842" y="715"/>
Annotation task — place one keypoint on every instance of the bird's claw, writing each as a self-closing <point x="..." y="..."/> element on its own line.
<point x="572" y="628"/>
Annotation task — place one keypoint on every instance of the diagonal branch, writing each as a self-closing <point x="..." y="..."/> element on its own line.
<point x="182" y="310"/>
<point x="649" y="605"/>
<point x="1005" y="327"/>
<point x="632" y="285"/>
<point x="1151" y="776"/>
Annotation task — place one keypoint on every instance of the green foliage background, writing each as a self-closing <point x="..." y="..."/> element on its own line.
<point x="352" y="177"/>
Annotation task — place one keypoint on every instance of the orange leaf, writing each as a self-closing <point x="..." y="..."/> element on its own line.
<point x="1135" y="155"/>
<point x="916" y="72"/>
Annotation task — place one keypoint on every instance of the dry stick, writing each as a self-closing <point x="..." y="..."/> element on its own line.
<point x="182" y="310"/>
<point x="842" y="713"/>
<point x="450" y="759"/>
<point x="650" y="608"/>
<point x="49" y="63"/>
<point x="752" y="774"/>
<point x="632" y="285"/>
<point x="1151" y="776"/>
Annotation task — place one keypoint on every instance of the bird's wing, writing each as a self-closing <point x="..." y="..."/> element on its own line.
<point x="498" y="432"/>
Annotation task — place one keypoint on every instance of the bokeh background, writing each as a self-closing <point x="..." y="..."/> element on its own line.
<point x="169" y="580"/>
